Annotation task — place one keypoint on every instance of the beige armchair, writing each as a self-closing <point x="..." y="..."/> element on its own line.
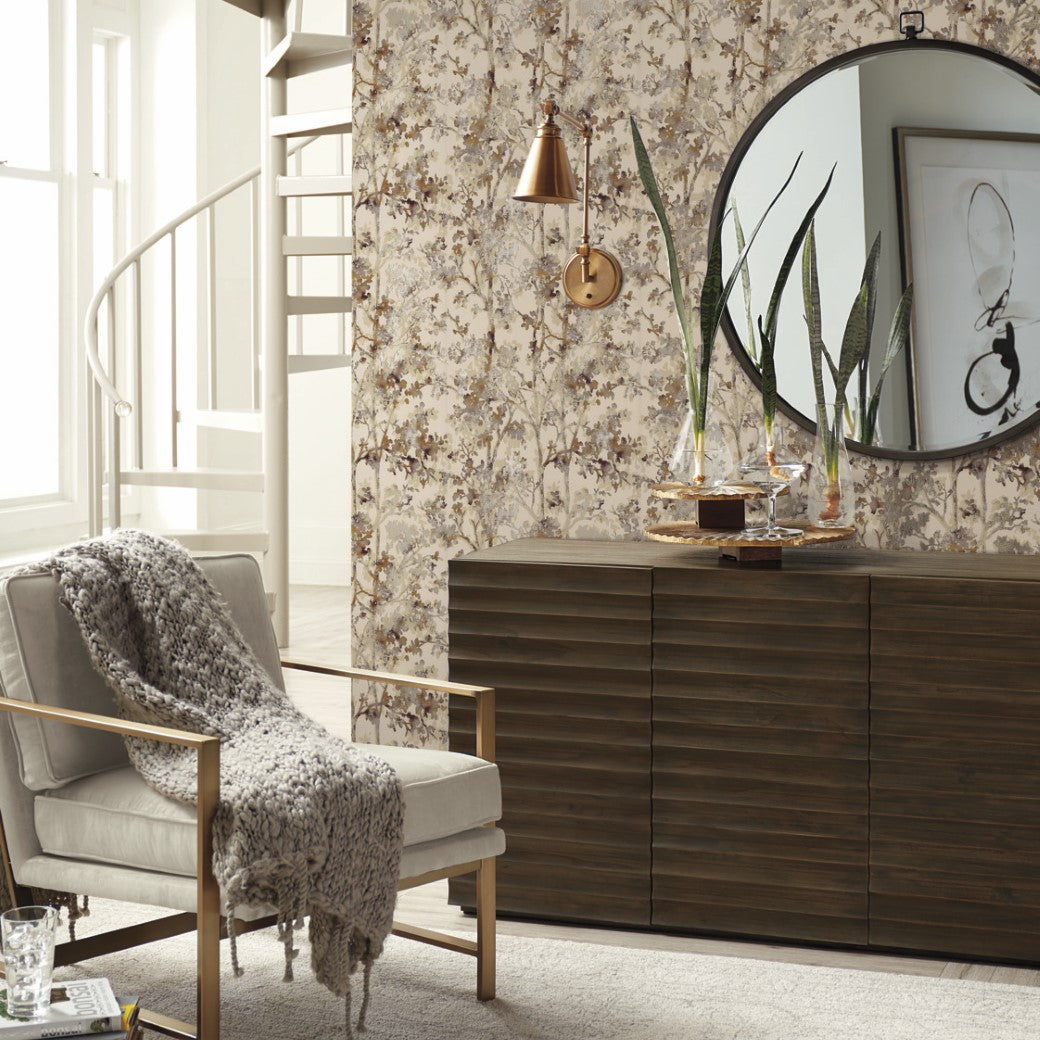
<point x="76" y="817"/>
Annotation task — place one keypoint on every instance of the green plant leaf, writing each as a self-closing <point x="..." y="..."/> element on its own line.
<point x="773" y="310"/>
<point x="853" y="343"/>
<point x="767" y="371"/>
<point x="811" y="299"/>
<point x="713" y="302"/>
<point x="714" y="293"/>
<point x="898" y="336"/>
<point x="745" y="282"/>
<point x="646" y="175"/>
<point x="870" y="271"/>
<point x="711" y="289"/>
<point x="768" y="329"/>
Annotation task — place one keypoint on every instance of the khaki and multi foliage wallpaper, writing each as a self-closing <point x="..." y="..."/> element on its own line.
<point x="485" y="406"/>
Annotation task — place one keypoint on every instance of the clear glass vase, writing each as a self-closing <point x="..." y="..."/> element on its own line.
<point x="831" y="495"/>
<point x="705" y="459"/>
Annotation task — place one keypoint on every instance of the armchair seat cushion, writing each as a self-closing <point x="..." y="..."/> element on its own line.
<point x="445" y="793"/>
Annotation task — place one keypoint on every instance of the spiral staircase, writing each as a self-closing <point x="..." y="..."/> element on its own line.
<point x="148" y="422"/>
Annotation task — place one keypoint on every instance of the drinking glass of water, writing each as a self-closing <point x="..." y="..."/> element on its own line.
<point x="27" y="933"/>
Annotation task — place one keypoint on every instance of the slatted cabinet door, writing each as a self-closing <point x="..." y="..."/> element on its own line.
<point x="568" y="650"/>
<point x="955" y="766"/>
<point x="760" y="753"/>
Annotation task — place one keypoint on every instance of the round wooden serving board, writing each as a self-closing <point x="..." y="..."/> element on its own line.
<point x="717" y="493"/>
<point x="685" y="533"/>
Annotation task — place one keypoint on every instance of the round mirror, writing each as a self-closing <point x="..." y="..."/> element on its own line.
<point x="936" y="148"/>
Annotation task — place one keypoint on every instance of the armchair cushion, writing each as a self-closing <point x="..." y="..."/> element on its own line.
<point x="43" y="659"/>
<point x="445" y="793"/>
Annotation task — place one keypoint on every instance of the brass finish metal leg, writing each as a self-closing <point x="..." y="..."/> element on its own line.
<point x="486" y="929"/>
<point x="208" y="898"/>
<point x="122" y="939"/>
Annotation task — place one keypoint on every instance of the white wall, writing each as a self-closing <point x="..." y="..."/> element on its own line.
<point x="167" y="184"/>
<point x="319" y="403"/>
<point x="213" y="100"/>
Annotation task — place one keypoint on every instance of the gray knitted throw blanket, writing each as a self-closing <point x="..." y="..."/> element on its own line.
<point x="306" y="823"/>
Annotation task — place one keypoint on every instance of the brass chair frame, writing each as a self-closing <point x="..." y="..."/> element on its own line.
<point x="207" y="921"/>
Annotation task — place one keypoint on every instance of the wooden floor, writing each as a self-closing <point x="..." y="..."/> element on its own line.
<point x="320" y="629"/>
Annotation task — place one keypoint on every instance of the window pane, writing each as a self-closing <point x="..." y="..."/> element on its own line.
<point x="29" y="389"/>
<point x="104" y="233"/>
<point x="100" y="105"/>
<point x="25" y="125"/>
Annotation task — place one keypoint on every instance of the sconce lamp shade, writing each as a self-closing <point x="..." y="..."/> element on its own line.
<point x="547" y="174"/>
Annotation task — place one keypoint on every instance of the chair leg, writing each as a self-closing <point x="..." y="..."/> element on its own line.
<point x="207" y="899"/>
<point x="208" y="983"/>
<point x="486" y="929"/>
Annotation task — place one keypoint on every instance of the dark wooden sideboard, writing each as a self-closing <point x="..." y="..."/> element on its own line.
<point x="846" y="750"/>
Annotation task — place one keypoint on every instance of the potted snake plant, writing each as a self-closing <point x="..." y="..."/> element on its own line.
<point x="830" y="477"/>
<point x="714" y="295"/>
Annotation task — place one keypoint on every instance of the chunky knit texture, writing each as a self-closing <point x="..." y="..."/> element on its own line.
<point x="306" y="823"/>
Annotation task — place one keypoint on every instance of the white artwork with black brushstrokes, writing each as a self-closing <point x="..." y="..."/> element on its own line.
<point x="976" y="269"/>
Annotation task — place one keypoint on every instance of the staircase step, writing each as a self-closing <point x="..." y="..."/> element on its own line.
<point x="317" y="362"/>
<point x="244" y="422"/>
<point x="317" y="245"/>
<point x="294" y="187"/>
<point x="299" y="53"/>
<point x="222" y="541"/>
<point x="304" y="124"/>
<point x="251" y="6"/>
<point x="318" y="305"/>
<point x="203" y="479"/>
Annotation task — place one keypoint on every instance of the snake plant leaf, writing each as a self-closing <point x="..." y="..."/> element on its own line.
<point x="768" y="329"/>
<point x="646" y="175"/>
<point x="713" y="305"/>
<point x="767" y="371"/>
<point x="870" y="272"/>
<point x="811" y="298"/>
<point x="898" y="337"/>
<point x="745" y="282"/>
<point x="773" y="310"/>
<point x="854" y="342"/>
<point x="714" y="294"/>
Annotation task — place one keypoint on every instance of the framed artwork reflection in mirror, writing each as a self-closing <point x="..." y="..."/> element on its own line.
<point x="970" y="243"/>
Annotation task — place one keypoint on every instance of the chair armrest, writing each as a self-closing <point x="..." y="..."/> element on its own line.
<point x="207" y="783"/>
<point x="108" y="723"/>
<point x="483" y="695"/>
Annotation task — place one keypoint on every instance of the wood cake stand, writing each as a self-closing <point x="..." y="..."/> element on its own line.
<point x="721" y="518"/>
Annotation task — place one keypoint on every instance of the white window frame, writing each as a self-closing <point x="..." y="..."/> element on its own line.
<point x="29" y="524"/>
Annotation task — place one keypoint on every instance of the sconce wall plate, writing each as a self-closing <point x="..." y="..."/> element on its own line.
<point x="603" y="284"/>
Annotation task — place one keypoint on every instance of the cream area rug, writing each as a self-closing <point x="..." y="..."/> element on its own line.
<point x="560" y="990"/>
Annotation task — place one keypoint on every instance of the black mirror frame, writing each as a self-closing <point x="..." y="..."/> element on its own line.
<point x="722" y="194"/>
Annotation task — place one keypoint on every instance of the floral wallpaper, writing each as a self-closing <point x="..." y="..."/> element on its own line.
<point x="486" y="407"/>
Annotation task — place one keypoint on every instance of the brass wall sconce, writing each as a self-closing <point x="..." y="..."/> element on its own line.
<point x="592" y="277"/>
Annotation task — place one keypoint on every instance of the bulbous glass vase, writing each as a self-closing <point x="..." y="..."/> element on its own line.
<point x="705" y="459"/>
<point x="831" y="495"/>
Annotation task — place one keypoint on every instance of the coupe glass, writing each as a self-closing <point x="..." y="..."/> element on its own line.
<point x="772" y="472"/>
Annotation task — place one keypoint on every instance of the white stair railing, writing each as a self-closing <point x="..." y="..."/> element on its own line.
<point x="125" y="348"/>
<point x="116" y="383"/>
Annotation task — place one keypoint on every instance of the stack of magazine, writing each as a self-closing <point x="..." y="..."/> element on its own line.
<point x="86" y="1008"/>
